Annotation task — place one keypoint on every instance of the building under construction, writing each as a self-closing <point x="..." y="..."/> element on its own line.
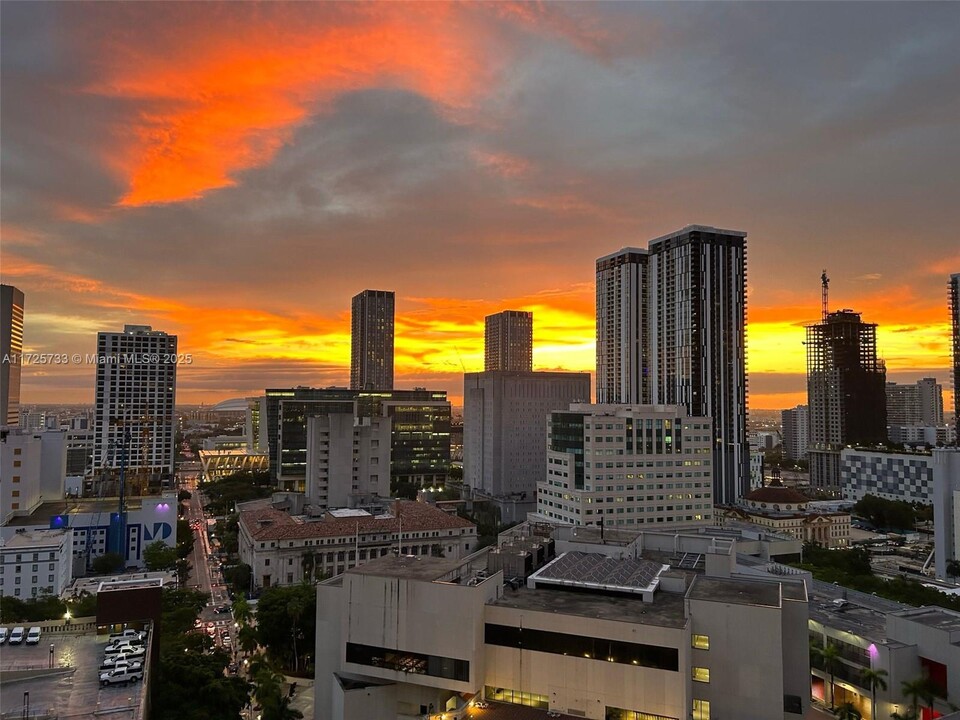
<point x="845" y="390"/>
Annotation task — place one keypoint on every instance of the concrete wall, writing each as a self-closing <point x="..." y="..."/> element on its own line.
<point x="575" y="684"/>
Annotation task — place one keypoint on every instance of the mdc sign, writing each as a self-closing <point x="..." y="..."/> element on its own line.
<point x="160" y="531"/>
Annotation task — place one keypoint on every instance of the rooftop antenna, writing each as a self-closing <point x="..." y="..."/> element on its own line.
<point x="825" y="294"/>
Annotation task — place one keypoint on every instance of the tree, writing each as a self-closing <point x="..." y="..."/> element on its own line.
<point x="107" y="563"/>
<point x="286" y="622"/>
<point x="241" y="611"/>
<point x="916" y="691"/>
<point x="184" y="495"/>
<point x="185" y="539"/>
<point x="847" y="711"/>
<point x="874" y="680"/>
<point x="159" y="556"/>
<point x="829" y="655"/>
<point x="182" y="568"/>
<point x="247" y="639"/>
<point x="953" y="568"/>
<point x="238" y="578"/>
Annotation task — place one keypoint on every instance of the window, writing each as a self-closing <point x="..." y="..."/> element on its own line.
<point x="701" y="709"/>
<point x="700" y="642"/>
<point x="700" y="674"/>
<point x="409" y="662"/>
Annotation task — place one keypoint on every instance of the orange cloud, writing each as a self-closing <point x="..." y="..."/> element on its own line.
<point x="215" y="106"/>
<point x="504" y="164"/>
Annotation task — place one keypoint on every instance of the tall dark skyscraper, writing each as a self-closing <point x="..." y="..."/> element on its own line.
<point x="670" y="330"/>
<point x="11" y="349"/>
<point x="371" y="340"/>
<point x="846" y="391"/>
<point x="955" y="325"/>
<point x="508" y="341"/>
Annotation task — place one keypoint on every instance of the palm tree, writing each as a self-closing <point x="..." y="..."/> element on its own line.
<point x="874" y="679"/>
<point x="247" y="639"/>
<point x="295" y="609"/>
<point x="830" y="655"/>
<point x="847" y="711"/>
<point x="917" y="690"/>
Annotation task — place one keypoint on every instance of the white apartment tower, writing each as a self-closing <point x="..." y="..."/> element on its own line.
<point x="795" y="437"/>
<point x="622" y="373"/>
<point x="135" y="396"/>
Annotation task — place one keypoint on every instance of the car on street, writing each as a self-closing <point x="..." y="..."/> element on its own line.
<point x="16" y="637"/>
<point x="120" y="676"/>
<point x="221" y="609"/>
<point x="33" y="636"/>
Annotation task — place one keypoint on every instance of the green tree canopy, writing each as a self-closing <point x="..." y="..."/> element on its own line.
<point x="107" y="563"/>
<point x="159" y="556"/>
<point x="286" y="623"/>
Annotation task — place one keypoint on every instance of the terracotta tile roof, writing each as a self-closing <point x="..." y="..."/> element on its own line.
<point x="271" y="524"/>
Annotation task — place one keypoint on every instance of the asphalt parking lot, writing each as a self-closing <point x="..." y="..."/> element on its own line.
<point x="77" y="692"/>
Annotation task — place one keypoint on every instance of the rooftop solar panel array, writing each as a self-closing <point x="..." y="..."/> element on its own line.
<point x="601" y="570"/>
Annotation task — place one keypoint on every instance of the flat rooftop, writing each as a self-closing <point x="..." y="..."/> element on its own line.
<point x="49" y="510"/>
<point x="735" y="592"/>
<point x="863" y="615"/>
<point x="36" y="538"/>
<point x="936" y="618"/>
<point x="666" y="610"/>
<point x="412" y="567"/>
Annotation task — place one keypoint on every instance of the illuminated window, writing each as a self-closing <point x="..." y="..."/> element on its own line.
<point x="701" y="709"/>
<point x="700" y="642"/>
<point x="701" y="674"/>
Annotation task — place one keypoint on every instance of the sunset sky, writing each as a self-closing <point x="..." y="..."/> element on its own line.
<point x="234" y="173"/>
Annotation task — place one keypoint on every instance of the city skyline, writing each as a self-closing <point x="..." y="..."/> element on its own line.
<point x="179" y="190"/>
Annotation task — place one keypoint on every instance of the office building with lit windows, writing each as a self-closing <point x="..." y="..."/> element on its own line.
<point x="630" y="467"/>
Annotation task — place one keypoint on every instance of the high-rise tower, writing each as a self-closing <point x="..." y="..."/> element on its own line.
<point x="955" y="324"/>
<point x="508" y="341"/>
<point x="697" y="320"/>
<point x="371" y="340"/>
<point x="622" y="353"/>
<point x="845" y="391"/>
<point x="670" y="330"/>
<point x="135" y="396"/>
<point x="11" y="351"/>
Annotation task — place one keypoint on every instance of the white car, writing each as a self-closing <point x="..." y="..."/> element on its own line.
<point x="3" y="635"/>
<point x="110" y="664"/>
<point x="33" y="637"/>
<point x="120" y="676"/>
<point x="128" y="635"/>
<point x="126" y="653"/>
<point x="120" y="644"/>
<point x="16" y="637"/>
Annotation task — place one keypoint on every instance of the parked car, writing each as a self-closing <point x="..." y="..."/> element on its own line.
<point x="126" y="653"/>
<point x="33" y="636"/>
<point x="125" y="642"/>
<point x="3" y="635"/>
<point x="128" y="634"/>
<point x="120" y="676"/>
<point x="221" y="609"/>
<point x="113" y="664"/>
<point x="16" y="637"/>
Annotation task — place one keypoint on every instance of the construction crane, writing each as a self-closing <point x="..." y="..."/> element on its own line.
<point x="825" y="293"/>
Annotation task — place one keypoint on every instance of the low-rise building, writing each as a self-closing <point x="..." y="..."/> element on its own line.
<point x="784" y="510"/>
<point x="35" y="562"/>
<point x="283" y="549"/>
<point x="586" y="635"/>
<point x="890" y="475"/>
<point x="94" y="526"/>
<point x="871" y="633"/>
